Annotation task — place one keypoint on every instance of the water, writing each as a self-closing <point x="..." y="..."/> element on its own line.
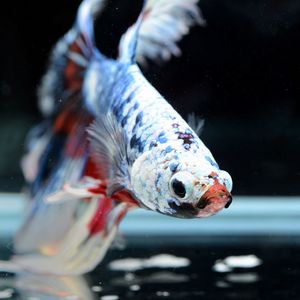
<point x="192" y="271"/>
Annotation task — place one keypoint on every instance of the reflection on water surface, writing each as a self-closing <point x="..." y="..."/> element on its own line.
<point x="256" y="269"/>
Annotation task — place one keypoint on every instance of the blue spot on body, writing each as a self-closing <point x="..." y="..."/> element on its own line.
<point x="173" y="167"/>
<point x="118" y="111"/>
<point x="136" y="105"/>
<point x="138" y="121"/>
<point x="162" y="138"/>
<point x="124" y="121"/>
<point x="168" y="149"/>
<point x="137" y="143"/>
<point x="139" y="117"/>
<point x="128" y="115"/>
<point x="133" y="141"/>
<point x="131" y="96"/>
<point x="121" y="106"/>
<point x="141" y="145"/>
<point x="115" y="110"/>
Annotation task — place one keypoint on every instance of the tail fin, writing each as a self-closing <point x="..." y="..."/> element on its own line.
<point x="68" y="61"/>
<point x="60" y="93"/>
<point x="72" y="236"/>
<point x="83" y="246"/>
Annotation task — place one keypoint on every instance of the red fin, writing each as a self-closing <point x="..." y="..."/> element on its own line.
<point x="73" y="72"/>
<point x="91" y="169"/>
<point x="125" y="196"/>
<point x="66" y="120"/>
<point x="100" y="217"/>
<point x="120" y="196"/>
<point x="100" y="189"/>
<point x="73" y="148"/>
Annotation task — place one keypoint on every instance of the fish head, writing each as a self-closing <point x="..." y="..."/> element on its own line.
<point x="182" y="185"/>
<point x="198" y="197"/>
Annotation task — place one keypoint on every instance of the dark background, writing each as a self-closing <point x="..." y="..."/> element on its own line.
<point x="241" y="73"/>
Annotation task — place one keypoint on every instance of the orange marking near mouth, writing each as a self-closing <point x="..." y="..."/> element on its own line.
<point x="217" y="192"/>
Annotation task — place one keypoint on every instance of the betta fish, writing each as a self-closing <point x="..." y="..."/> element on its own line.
<point x="110" y="143"/>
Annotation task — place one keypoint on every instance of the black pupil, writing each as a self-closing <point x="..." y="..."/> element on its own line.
<point x="178" y="188"/>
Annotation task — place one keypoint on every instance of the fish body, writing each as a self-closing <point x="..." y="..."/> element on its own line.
<point x="159" y="144"/>
<point x="110" y="143"/>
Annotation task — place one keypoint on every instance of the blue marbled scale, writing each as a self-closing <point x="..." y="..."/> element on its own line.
<point x="145" y="116"/>
<point x="173" y="167"/>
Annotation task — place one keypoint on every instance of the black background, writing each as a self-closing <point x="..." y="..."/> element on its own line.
<point x="240" y="73"/>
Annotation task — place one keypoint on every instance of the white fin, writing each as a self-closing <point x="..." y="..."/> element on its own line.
<point x="87" y="11"/>
<point x="162" y="24"/>
<point x="36" y="147"/>
<point x="109" y="151"/>
<point x="128" y="42"/>
<point x="196" y="123"/>
<point x="75" y="192"/>
<point x="79" y="252"/>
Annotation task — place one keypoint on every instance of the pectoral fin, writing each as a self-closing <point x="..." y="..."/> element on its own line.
<point x="86" y="188"/>
<point x="108" y="144"/>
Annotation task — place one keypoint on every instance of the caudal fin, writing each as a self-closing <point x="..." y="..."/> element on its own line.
<point x="68" y="61"/>
<point x="58" y="154"/>
<point x="82" y="248"/>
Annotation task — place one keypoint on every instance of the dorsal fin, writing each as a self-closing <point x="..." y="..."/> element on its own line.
<point x="129" y="40"/>
<point x="161" y="24"/>
<point x="87" y="11"/>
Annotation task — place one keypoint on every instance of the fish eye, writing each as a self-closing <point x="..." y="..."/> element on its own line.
<point x="178" y="188"/>
<point x="181" y="185"/>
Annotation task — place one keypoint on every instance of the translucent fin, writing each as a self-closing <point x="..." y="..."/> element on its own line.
<point x="82" y="248"/>
<point x="128" y="42"/>
<point x="162" y="24"/>
<point x="36" y="145"/>
<point x="68" y="61"/>
<point x="59" y="154"/>
<point x="109" y="150"/>
<point x="46" y="224"/>
<point x="72" y="236"/>
<point x="87" y="187"/>
<point x="196" y="123"/>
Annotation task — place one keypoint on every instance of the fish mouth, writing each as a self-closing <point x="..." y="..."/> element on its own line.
<point x="212" y="201"/>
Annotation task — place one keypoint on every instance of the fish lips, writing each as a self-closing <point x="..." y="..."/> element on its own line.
<point x="212" y="201"/>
